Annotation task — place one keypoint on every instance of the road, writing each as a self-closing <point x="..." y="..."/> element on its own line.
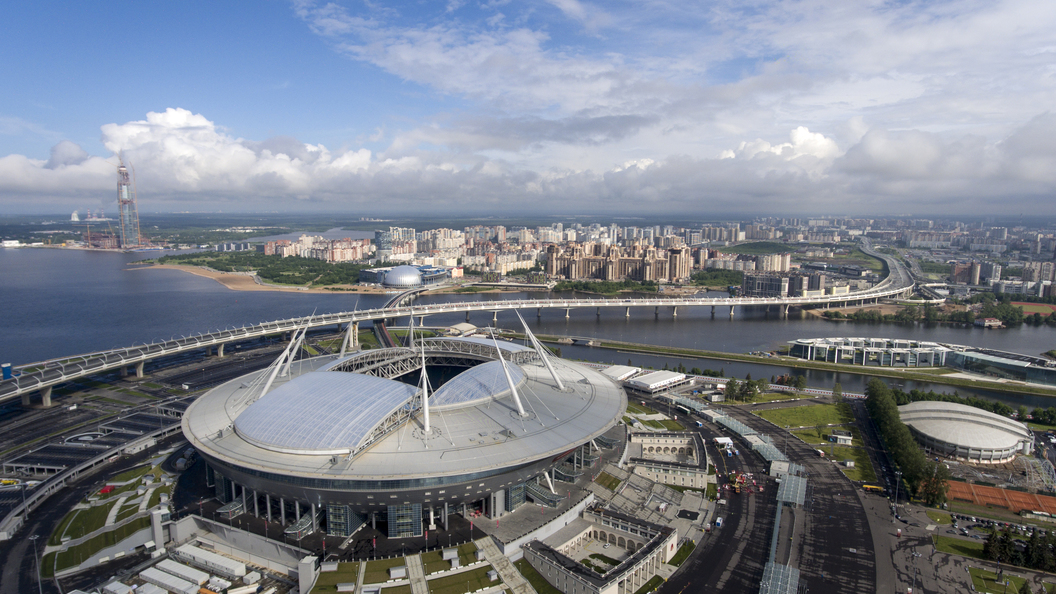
<point x="18" y="573"/>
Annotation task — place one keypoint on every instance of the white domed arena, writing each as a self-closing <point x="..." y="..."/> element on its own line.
<point x="402" y="277"/>
<point x="335" y="442"/>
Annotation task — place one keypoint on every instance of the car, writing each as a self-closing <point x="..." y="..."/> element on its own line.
<point x="607" y="545"/>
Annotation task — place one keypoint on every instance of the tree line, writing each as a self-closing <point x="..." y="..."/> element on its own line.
<point x="607" y="287"/>
<point x="926" y="479"/>
<point x="1037" y="554"/>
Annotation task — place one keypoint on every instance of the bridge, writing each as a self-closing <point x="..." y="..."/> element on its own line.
<point x="43" y="376"/>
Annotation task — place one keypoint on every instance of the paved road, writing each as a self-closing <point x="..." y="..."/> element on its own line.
<point x="730" y="560"/>
<point x="835" y="550"/>
<point x="18" y="574"/>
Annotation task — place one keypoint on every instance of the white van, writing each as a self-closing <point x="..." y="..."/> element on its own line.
<point x="718" y="522"/>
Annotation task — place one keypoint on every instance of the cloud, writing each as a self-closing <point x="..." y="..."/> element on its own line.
<point x="182" y="158"/>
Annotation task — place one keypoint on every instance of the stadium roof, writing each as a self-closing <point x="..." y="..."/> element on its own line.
<point x="475" y="385"/>
<point x="322" y="412"/>
<point x="478" y="434"/>
<point x="964" y="426"/>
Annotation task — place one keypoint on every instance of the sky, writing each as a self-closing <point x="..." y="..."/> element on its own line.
<point x="940" y="107"/>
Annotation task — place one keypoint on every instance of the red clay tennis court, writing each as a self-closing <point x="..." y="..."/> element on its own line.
<point x="1014" y="501"/>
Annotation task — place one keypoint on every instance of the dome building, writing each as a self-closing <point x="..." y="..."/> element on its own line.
<point x="402" y="277"/>
<point x="965" y="432"/>
<point x="340" y="442"/>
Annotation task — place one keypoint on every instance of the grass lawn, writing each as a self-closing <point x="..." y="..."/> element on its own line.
<point x="608" y="481"/>
<point x="346" y="574"/>
<point x="88" y="520"/>
<point x="368" y="340"/>
<point x="984" y="581"/>
<point x="810" y="415"/>
<point x="672" y="425"/>
<point x="467" y="581"/>
<point x="863" y="468"/>
<point x="56" y="537"/>
<point x="76" y="555"/>
<point x="712" y="491"/>
<point x="774" y="397"/>
<point x="537" y="581"/>
<point x="651" y="585"/>
<point x="627" y="420"/>
<point x="682" y="554"/>
<point x="404" y="589"/>
<point x="653" y="424"/>
<point x="127" y="511"/>
<point x="821" y="436"/>
<point x="433" y="562"/>
<point x="957" y="546"/>
<point x="467" y="553"/>
<point x="639" y="409"/>
<point x="377" y="572"/>
<point x="604" y="558"/>
<point x="939" y="517"/>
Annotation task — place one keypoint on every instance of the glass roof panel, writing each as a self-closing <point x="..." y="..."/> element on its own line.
<point x="322" y="412"/>
<point x="476" y="384"/>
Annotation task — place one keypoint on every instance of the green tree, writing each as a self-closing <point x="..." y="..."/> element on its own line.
<point x="733" y="389"/>
<point x="837" y="392"/>
<point x="935" y="485"/>
<point x="800" y="382"/>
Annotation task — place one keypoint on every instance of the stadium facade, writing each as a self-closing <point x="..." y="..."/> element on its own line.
<point x="344" y="441"/>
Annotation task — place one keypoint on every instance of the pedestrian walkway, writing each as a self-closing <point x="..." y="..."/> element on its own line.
<point x="507" y="572"/>
<point x="359" y="575"/>
<point x="416" y="573"/>
<point x="146" y="499"/>
<point x="112" y="516"/>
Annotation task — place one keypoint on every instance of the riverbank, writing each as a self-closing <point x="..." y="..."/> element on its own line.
<point x="934" y="375"/>
<point x="247" y="282"/>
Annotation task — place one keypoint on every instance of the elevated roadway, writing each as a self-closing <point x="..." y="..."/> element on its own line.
<point x="42" y="377"/>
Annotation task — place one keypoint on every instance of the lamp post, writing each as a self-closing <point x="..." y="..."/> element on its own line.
<point x="36" y="558"/>
<point x="898" y="479"/>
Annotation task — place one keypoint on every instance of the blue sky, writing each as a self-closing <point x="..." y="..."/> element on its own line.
<point x="708" y="107"/>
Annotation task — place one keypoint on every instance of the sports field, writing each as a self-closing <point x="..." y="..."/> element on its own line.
<point x="1033" y="308"/>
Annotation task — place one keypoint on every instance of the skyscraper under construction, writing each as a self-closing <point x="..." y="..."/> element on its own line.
<point x="126" y="204"/>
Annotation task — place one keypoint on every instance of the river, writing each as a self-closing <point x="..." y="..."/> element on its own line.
<point x="58" y="302"/>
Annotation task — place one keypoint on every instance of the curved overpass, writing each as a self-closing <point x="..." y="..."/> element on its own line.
<point x="43" y="376"/>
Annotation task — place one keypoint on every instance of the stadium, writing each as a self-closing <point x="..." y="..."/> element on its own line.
<point x="965" y="432"/>
<point x="335" y="442"/>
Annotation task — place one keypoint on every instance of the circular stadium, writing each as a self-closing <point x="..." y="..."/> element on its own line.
<point x="344" y="441"/>
<point x="403" y="277"/>
<point x="965" y="432"/>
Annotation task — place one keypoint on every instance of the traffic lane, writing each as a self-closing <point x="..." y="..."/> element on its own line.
<point x="730" y="560"/>
<point x="836" y="545"/>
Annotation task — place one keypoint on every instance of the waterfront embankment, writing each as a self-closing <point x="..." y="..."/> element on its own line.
<point x="238" y="281"/>
<point x="933" y="375"/>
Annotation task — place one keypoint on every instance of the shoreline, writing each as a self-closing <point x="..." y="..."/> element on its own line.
<point x="245" y="282"/>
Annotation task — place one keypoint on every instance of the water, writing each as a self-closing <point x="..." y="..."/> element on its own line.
<point x="65" y="302"/>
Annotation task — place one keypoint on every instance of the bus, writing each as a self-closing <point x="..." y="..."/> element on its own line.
<point x="684" y="410"/>
<point x="873" y="489"/>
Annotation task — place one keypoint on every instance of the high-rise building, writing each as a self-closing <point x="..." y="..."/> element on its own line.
<point x="126" y="204"/>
